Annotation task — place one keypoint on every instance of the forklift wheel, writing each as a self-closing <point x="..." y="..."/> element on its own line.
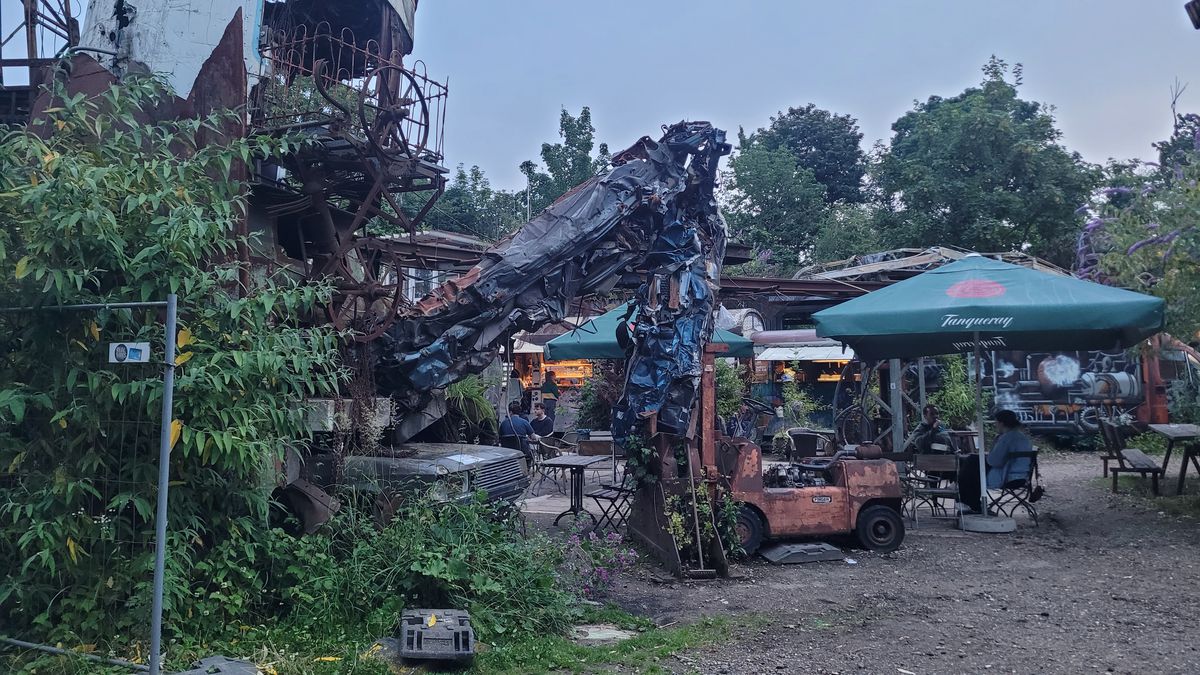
<point x="749" y="530"/>
<point x="880" y="528"/>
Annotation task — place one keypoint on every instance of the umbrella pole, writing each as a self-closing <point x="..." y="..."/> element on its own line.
<point x="983" y="492"/>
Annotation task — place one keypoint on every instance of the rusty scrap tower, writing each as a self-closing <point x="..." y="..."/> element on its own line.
<point x="331" y="72"/>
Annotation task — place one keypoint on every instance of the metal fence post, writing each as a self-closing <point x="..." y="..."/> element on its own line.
<point x="164" y="471"/>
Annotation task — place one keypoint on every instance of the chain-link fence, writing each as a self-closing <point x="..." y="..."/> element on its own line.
<point x="85" y="437"/>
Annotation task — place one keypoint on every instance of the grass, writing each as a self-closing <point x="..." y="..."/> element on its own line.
<point x="305" y="651"/>
<point x="1138" y="489"/>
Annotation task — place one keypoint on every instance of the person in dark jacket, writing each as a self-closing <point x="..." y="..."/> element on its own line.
<point x="930" y="433"/>
<point x="550" y="394"/>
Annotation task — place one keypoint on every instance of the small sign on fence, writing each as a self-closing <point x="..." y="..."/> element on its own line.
<point x="129" y="352"/>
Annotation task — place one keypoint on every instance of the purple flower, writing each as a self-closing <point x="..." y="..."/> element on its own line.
<point x="1109" y="192"/>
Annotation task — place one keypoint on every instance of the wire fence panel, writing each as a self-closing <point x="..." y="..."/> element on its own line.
<point x="79" y="475"/>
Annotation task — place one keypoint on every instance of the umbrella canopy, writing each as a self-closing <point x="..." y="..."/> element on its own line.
<point x="1007" y="307"/>
<point x="597" y="339"/>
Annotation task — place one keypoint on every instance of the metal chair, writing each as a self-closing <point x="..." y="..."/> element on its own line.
<point x="1019" y="492"/>
<point x="927" y="483"/>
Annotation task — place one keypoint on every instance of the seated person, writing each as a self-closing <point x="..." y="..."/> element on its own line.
<point x="930" y="432"/>
<point x="542" y="423"/>
<point x="515" y="426"/>
<point x="741" y="424"/>
<point x="999" y="470"/>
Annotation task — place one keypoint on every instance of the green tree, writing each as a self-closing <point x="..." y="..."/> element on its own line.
<point x="1180" y="148"/>
<point x="774" y="204"/>
<point x="982" y="170"/>
<point x="1146" y="238"/>
<point x="470" y="206"/>
<point x="828" y="144"/>
<point x="99" y="205"/>
<point x="568" y="162"/>
<point x="851" y="230"/>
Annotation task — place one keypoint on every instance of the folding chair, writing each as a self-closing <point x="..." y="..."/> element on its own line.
<point x="613" y="502"/>
<point x="1019" y="492"/>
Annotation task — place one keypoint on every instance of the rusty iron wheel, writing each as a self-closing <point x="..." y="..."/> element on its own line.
<point x="750" y="530"/>
<point x="880" y="528"/>
<point x="369" y="292"/>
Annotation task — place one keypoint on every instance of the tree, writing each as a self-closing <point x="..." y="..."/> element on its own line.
<point x="983" y="170"/>
<point x="828" y="144"/>
<point x="851" y="230"/>
<point x="1146" y="238"/>
<point x="774" y="204"/>
<point x="568" y="163"/>
<point x="470" y="206"/>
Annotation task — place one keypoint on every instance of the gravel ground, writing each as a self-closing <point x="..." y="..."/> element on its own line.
<point x="1103" y="585"/>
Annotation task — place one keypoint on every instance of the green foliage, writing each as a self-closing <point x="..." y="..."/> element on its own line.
<point x="799" y="405"/>
<point x="1183" y="401"/>
<point x="850" y="231"/>
<point x="828" y="145"/>
<point x="468" y="555"/>
<point x="1143" y="235"/>
<point x="568" y="163"/>
<point x="640" y="460"/>
<point x="600" y="393"/>
<point x="955" y="400"/>
<point x="470" y="206"/>
<point x="730" y="389"/>
<point x="469" y="415"/>
<point x="775" y="204"/>
<point x="98" y="206"/>
<point x="983" y="170"/>
<point x="1149" y="443"/>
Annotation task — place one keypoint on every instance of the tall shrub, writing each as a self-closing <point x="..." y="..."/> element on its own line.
<point x="98" y="204"/>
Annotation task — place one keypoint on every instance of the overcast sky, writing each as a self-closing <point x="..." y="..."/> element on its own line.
<point x="1106" y="65"/>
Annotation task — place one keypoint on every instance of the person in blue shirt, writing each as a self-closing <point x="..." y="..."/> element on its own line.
<point x="515" y="426"/>
<point x="999" y="469"/>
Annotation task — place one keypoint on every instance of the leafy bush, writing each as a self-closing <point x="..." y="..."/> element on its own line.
<point x="600" y="393"/>
<point x="799" y="406"/>
<point x="955" y="400"/>
<point x="101" y="205"/>
<point x="730" y="389"/>
<point x="591" y="564"/>
<point x="1183" y="401"/>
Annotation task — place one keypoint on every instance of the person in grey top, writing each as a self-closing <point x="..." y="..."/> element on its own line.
<point x="999" y="469"/>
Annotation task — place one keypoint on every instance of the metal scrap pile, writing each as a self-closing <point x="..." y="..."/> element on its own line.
<point x="652" y="216"/>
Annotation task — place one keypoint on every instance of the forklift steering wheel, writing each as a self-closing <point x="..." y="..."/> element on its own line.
<point x="823" y="463"/>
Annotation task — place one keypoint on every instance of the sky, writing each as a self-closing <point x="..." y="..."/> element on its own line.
<point x="1107" y="66"/>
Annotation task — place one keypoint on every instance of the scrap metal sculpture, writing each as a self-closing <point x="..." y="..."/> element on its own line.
<point x="651" y="219"/>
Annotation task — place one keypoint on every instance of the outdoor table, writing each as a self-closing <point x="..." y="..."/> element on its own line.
<point x="576" y="463"/>
<point x="1179" y="432"/>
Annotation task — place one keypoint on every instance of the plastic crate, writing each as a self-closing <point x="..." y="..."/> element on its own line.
<point x="436" y="634"/>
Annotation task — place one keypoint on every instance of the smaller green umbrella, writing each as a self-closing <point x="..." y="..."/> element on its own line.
<point x="597" y="339"/>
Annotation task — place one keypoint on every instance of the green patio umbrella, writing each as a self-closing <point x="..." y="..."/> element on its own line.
<point x="597" y="339"/>
<point x="977" y="303"/>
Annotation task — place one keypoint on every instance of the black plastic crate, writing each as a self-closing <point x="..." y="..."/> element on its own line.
<point x="436" y="634"/>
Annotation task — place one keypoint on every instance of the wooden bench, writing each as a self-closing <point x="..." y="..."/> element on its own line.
<point x="1132" y="460"/>
<point x="1129" y="460"/>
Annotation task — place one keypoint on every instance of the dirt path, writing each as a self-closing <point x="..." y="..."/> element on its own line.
<point x="1103" y="585"/>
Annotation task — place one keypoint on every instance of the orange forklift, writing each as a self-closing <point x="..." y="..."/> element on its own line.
<point x="853" y="492"/>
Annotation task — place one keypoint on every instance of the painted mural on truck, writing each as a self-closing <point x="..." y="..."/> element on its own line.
<point x="1064" y="392"/>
